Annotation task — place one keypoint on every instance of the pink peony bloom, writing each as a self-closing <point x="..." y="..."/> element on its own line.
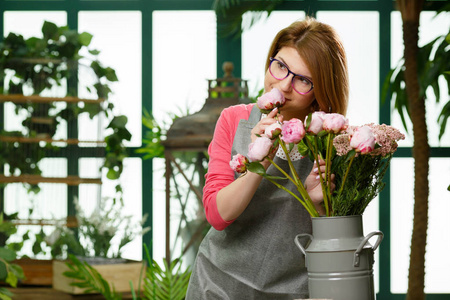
<point x="259" y="149"/>
<point x="316" y="124"/>
<point x="273" y="131"/>
<point x="334" y="122"/>
<point x="363" y="140"/>
<point x="238" y="162"/>
<point x="270" y="100"/>
<point x="292" y="131"/>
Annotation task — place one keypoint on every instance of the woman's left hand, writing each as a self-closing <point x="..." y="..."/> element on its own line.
<point x="313" y="186"/>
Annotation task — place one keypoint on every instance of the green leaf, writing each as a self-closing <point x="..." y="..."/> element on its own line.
<point x="5" y="294"/>
<point x="111" y="74"/>
<point x="50" y="31"/>
<point x="11" y="279"/>
<point x="7" y="254"/>
<point x="84" y="38"/>
<point x="3" y="271"/>
<point x="94" y="52"/>
<point x="256" y="167"/>
<point x="303" y="148"/>
<point x="118" y="122"/>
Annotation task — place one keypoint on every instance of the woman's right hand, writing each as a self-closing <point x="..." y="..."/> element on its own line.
<point x="261" y="126"/>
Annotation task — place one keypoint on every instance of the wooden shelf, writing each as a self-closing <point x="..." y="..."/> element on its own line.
<point x="70" y="222"/>
<point x="35" y="179"/>
<point x="21" y="139"/>
<point x="19" y="98"/>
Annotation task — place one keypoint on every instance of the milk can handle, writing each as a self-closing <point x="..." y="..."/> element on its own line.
<point x="364" y="242"/>
<point x="299" y="245"/>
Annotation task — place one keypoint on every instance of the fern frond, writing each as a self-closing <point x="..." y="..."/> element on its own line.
<point x="89" y="279"/>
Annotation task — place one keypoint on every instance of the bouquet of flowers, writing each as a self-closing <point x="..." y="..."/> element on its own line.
<point x="358" y="156"/>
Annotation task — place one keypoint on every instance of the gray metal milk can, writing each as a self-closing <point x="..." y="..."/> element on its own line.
<point x="339" y="258"/>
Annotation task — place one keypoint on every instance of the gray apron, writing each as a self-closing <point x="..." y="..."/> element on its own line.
<point x="255" y="257"/>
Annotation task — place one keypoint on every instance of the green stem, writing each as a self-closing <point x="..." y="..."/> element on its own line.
<point x="311" y="211"/>
<point x="301" y="188"/>
<point x="281" y="170"/>
<point x="296" y="180"/>
<point x="322" y="180"/>
<point x="328" y="165"/>
<point x="291" y="166"/>
<point x="345" y="177"/>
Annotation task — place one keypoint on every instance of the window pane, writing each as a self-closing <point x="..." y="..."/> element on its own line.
<point x="29" y="23"/>
<point x="90" y="195"/>
<point x="402" y="195"/>
<point x="430" y="28"/>
<point x="256" y="43"/>
<point x="117" y="35"/>
<point x="183" y="58"/>
<point x="359" y="33"/>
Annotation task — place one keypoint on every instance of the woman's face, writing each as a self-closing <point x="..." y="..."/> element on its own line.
<point x="297" y="105"/>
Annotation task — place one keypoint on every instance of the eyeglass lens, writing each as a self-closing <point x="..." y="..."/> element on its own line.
<point x="280" y="71"/>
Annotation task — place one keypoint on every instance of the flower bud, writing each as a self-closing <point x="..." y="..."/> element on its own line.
<point x="273" y="131"/>
<point x="316" y="124"/>
<point x="334" y="122"/>
<point x="270" y="100"/>
<point x="238" y="162"/>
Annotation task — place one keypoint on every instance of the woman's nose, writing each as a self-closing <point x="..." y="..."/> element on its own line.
<point x="286" y="83"/>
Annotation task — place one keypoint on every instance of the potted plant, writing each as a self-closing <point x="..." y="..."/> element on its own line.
<point x="98" y="240"/>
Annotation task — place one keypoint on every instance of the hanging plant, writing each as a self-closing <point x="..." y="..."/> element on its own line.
<point x="33" y="68"/>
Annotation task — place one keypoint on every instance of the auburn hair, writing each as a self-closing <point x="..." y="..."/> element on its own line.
<point x="322" y="50"/>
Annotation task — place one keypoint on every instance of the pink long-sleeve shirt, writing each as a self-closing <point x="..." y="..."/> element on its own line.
<point x="219" y="172"/>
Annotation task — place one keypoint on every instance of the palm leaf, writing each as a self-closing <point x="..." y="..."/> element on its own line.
<point x="230" y="13"/>
<point x="168" y="283"/>
<point x="433" y="62"/>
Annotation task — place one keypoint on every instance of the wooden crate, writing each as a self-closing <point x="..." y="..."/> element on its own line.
<point x="118" y="275"/>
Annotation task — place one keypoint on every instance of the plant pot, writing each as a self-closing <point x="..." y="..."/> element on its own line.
<point x="339" y="258"/>
<point x="117" y="274"/>
<point x="37" y="271"/>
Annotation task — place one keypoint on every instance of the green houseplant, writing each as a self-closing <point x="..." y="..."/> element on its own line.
<point x="35" y="67"/>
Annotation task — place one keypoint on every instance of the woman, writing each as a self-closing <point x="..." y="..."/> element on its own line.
<point x="250" y="253"/>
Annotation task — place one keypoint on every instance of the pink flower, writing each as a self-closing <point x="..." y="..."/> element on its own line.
<point x="238" y="162"/>
<point x="273" y="131"/>
<point x="342" y="144"/>
<point x="270" y="100"/>
<point x="363" y="140"/>
<point x="316" y="124"/>
<point x="259" y="149"/>
<point x="292" y="131"/>
<point x="386" y="136"/>
<point x="334" y="122"/>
